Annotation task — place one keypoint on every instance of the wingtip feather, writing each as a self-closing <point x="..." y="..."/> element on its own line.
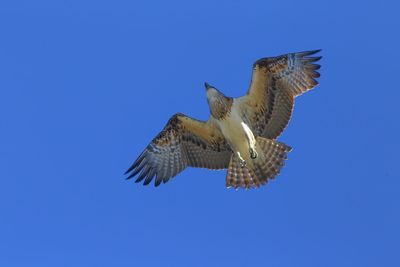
<point x="136" y="163"/>
<point x="157" y="182"/>
<point x="309" y="53"/>
<point x="133" y="174"/>
<point x="143" y="174"/>
<point x="312" y="59"/>
<point x="149" y="177"/>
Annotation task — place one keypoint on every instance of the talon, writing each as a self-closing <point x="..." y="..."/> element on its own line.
<point x="242" y="163"/>
<point x="253" y="153"/>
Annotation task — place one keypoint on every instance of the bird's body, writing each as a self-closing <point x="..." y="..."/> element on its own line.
<point x="240" y="134"/>
<point x="237" y="133"/>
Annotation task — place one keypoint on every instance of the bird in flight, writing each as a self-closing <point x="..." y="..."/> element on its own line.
<point x="240" y="134"/>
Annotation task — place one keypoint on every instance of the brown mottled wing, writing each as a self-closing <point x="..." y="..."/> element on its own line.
<point x="276" y="81"/>
<point x="184" y="142"/>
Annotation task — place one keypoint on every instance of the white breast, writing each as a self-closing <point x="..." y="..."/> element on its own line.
<point x="236" y="131"/>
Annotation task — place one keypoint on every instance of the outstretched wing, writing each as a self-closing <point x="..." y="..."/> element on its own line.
<point x="183" y="142"/>
<point x="276" y="81"/>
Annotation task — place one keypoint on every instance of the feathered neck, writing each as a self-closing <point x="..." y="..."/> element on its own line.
<point x="220" y="105"/>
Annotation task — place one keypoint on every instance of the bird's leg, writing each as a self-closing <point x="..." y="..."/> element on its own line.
<point x="253" y="152"/>
<point x="242" y="162"/>
<point x="251" y="141"/>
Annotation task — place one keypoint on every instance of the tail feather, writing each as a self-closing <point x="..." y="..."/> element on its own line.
<point x="270" y="160"/>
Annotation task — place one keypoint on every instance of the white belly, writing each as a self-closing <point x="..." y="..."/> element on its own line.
<point x="237" y="133"/>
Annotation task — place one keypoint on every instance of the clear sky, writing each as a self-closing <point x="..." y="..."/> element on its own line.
<point x="85" y="85"/>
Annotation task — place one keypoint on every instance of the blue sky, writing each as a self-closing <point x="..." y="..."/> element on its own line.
<point x="85" y="85"/>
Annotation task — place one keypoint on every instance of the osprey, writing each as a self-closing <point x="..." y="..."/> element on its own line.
<point x="240" y="135"/>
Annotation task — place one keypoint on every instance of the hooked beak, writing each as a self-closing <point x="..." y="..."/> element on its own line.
<point x="207" y="86"/>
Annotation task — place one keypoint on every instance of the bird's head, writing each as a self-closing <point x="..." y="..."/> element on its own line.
<point x="217" y="101"/>
<point x="212" y="92"/>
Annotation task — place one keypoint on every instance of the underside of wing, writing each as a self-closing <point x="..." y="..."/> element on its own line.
<point x="184" y="142"/>
<point x="276" y="81"/>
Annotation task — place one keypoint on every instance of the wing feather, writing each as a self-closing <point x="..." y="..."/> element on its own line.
<point x="276" y="81"/>
<point x="184" y="142"/>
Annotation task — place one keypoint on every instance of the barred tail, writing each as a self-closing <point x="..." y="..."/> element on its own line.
<point x="270" y="160"/>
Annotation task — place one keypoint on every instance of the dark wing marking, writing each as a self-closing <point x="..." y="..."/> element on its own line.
<point x="276" y="81"/>
<point x="183" y="142"/>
